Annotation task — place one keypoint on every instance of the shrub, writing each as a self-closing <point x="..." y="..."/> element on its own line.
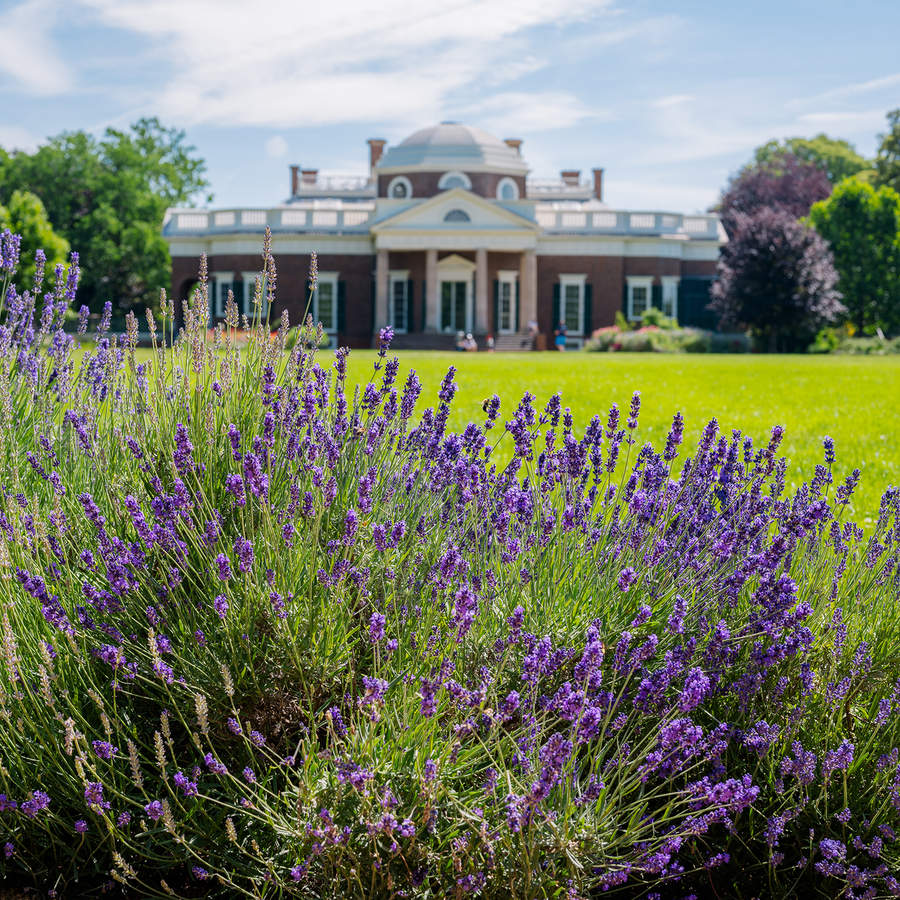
<point x="267" y="634"/>
<point x="654" y="339"/>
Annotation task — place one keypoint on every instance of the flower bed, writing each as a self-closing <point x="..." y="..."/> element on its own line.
<point x="653" y="339"/>
<point x="262" y="632"/>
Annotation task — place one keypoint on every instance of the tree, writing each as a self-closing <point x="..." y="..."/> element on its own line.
<point x="887" y="162"/>
<point x="108" y="199"/>
<point x="837" y="158"/>
<point x="862" y="226"/>
<point x="784" y="183"/>
<point x="776" y="278"/>
<point x="25" y="215"/>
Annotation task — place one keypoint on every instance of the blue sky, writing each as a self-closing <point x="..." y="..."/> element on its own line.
<point x="668" y="97"/>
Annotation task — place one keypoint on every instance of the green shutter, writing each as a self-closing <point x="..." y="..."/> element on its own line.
<point x="657" y="296"/>
<point x="588" y="326"/>
<point x="342" y="306"/>
<point x="496" y="305"/>
<point x="517" y="305"/>
<point x="410" y="309"/>
<point x="555" y="321"/>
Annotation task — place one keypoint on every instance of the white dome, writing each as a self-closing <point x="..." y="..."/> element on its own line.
<point x="452" y="145"/>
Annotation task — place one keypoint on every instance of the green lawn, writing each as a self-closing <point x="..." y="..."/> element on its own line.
<point x="856" y="400"/>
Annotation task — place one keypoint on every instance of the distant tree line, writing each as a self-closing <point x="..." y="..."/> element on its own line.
<point x="814" y="240"/>
<point x="106" y="199"/>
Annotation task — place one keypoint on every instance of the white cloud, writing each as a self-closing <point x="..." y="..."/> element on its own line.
<point x="26" y="52"/>
<point x="514" y="113"/>
<point x="277" y="63"/>
<point x="276" y="147"/>
<point x="12" y="137"/>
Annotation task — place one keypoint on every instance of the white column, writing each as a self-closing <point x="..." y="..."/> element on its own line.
<point x="528" y="290"/>
<point x="381" y="290"/>
<point x="432" y="304"/>
<point x="481" y="292"/>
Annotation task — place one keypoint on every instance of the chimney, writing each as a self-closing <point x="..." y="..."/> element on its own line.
<point x="376" y="151"/>
<point x="309" y="177"/>
<point x="571" y="177"/>
<point x="515" y="143"/>
<point x="598" y="183"/>
<point x="295" y="179"/>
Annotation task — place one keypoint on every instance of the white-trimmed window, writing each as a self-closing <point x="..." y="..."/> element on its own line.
<point x="249" y="292"/>
<point x="325" y="301"/>
<point x="398" y="300"/>
<point x="450" y="180"/>
<point x="223" y="282"/>
<point x="400" y="188"/>
<point x="507" y="189"/>
<point x="640" y="295"/>
<point x="571" y="303"/>
<point x="670" y="295"/>
<point x="506" y="301"/>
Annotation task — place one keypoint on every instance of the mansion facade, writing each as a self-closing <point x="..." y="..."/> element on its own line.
<point x="448" y="233"/>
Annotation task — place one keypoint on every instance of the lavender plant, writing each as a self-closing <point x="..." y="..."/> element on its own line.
<point x="264" y="634"/>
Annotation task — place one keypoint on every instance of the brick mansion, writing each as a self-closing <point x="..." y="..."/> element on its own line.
<point x="449" y="233"/>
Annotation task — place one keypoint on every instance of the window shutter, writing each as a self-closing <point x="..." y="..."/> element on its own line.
<point x="517" y="304"/>
<point x="625" y="300"/>
<point x="410" y="310"/>
<point x="307" y="309"/>
<point x="657" y="296"/>
<point x="588" y="326"/>
<point x="342" y="306"/>
<point x="372" y="306"/>
<point x="555" y="321"/>
<point x="424" y="304"/>
<point x="496" y="305"/>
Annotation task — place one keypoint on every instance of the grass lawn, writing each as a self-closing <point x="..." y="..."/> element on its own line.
<point x="856" y="400"/>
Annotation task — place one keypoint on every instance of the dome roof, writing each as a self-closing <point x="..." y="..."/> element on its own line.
<point x="452" y="145"/>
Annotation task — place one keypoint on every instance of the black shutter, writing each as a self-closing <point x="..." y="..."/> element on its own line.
<point x="588" y="326"/>
<point x="372" y="306"/>
<point x="410" y="309"/>
<point x="307" y="307"/>
<point x="517" y="304"/>
<point x="342" y="306"/>
<point x="555" y="321"/>
<point x="657" y="296"/>
<point x="424" y="304"/>
<point x="625" y="300"/>
<point x="496" y="305"/>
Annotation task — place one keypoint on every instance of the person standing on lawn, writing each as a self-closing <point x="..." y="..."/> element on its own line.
<point x="560" y="336"/>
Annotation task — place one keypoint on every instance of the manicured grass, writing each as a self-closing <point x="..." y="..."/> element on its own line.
<point x="856" y="400"/>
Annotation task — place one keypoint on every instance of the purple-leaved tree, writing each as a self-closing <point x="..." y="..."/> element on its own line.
<point x="776" y="278"/>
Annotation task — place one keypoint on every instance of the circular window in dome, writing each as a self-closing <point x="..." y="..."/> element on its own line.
<point x="450" y="180"/>
<point x="457" y="215"/>
<point x="400" y="188"/>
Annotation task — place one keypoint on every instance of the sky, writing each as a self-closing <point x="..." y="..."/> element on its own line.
<point x="668" y="96"/>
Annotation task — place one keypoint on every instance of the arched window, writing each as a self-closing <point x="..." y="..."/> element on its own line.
<point x="457" y="215"/>
<point x="450" y="180"/>
<point x="400" y="188"/>
<point x="507" y="189"/>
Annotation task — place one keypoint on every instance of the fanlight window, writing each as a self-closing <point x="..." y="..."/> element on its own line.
<point x="398" y="191"/>
<point x="453" y="181"/>
<point x="457" y="215"/>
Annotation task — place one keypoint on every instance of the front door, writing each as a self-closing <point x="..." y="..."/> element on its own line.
<point x="506" y="307"/>
<point x="454" y="306"/>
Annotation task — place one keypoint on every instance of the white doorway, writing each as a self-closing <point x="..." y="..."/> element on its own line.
<point x="455" y="293"/>
<point x="507" y="303"/>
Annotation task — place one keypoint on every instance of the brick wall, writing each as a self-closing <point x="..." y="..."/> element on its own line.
<point x="652" y="265"/>
<point x="605" y="273"/>
<point x="425" y="184"/>
<point x="691" y="268"/>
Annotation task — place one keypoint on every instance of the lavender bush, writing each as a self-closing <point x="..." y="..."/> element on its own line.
<point x="263" y="635"/>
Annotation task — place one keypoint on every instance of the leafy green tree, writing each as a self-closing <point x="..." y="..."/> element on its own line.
<point x="862" y="225"/>
<point x="838" y="158"/>
<point x="887" y="162"/>
<point x="25" y="215"/>
<point x="108" y="199"/>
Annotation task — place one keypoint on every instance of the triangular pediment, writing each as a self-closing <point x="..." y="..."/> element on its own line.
<point x="456" y="210"/>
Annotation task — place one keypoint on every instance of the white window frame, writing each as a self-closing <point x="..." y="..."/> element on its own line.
<point x="670" y="295"/>
<point x="638" y="281"/>
<point x="578" y="281"/>
<point x="398" y="276"/>
<point x="442" y="181"/>
<point x="502" y="183"/>
<point x="250" y="279"/>
<point x="331" y="278"/>
<point x="223" y="282"/>
<point x="510" y="277"/>
<point x="400" y="179"/>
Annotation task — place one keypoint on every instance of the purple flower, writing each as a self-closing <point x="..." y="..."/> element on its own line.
<point x="234" y="726"/>
<point x="214" y="765"/>
<point x="189" y="788"/>
<point x="81" y="826"/>
<point x="234" y="485"/>
<point x="104" y="749"/>
<point x="154" y="810"/>
<point x="224" y="567"/>
<point x="627" y="577"/>
<point x="243" y="549"/>
<point x="249" y="775"/>
<point x="93" y="796"/>
<point x="696" y="687"/>
<point x="376" y="627"/>
<point x="8" y="850"/>
<point x="199" y="873"/>
<point x="220" y="605"/>
<point x="123" y="819"/>
<point x="430" y="772"/>
<point x="257" y="739"/>
<point x="839" y="759"/>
